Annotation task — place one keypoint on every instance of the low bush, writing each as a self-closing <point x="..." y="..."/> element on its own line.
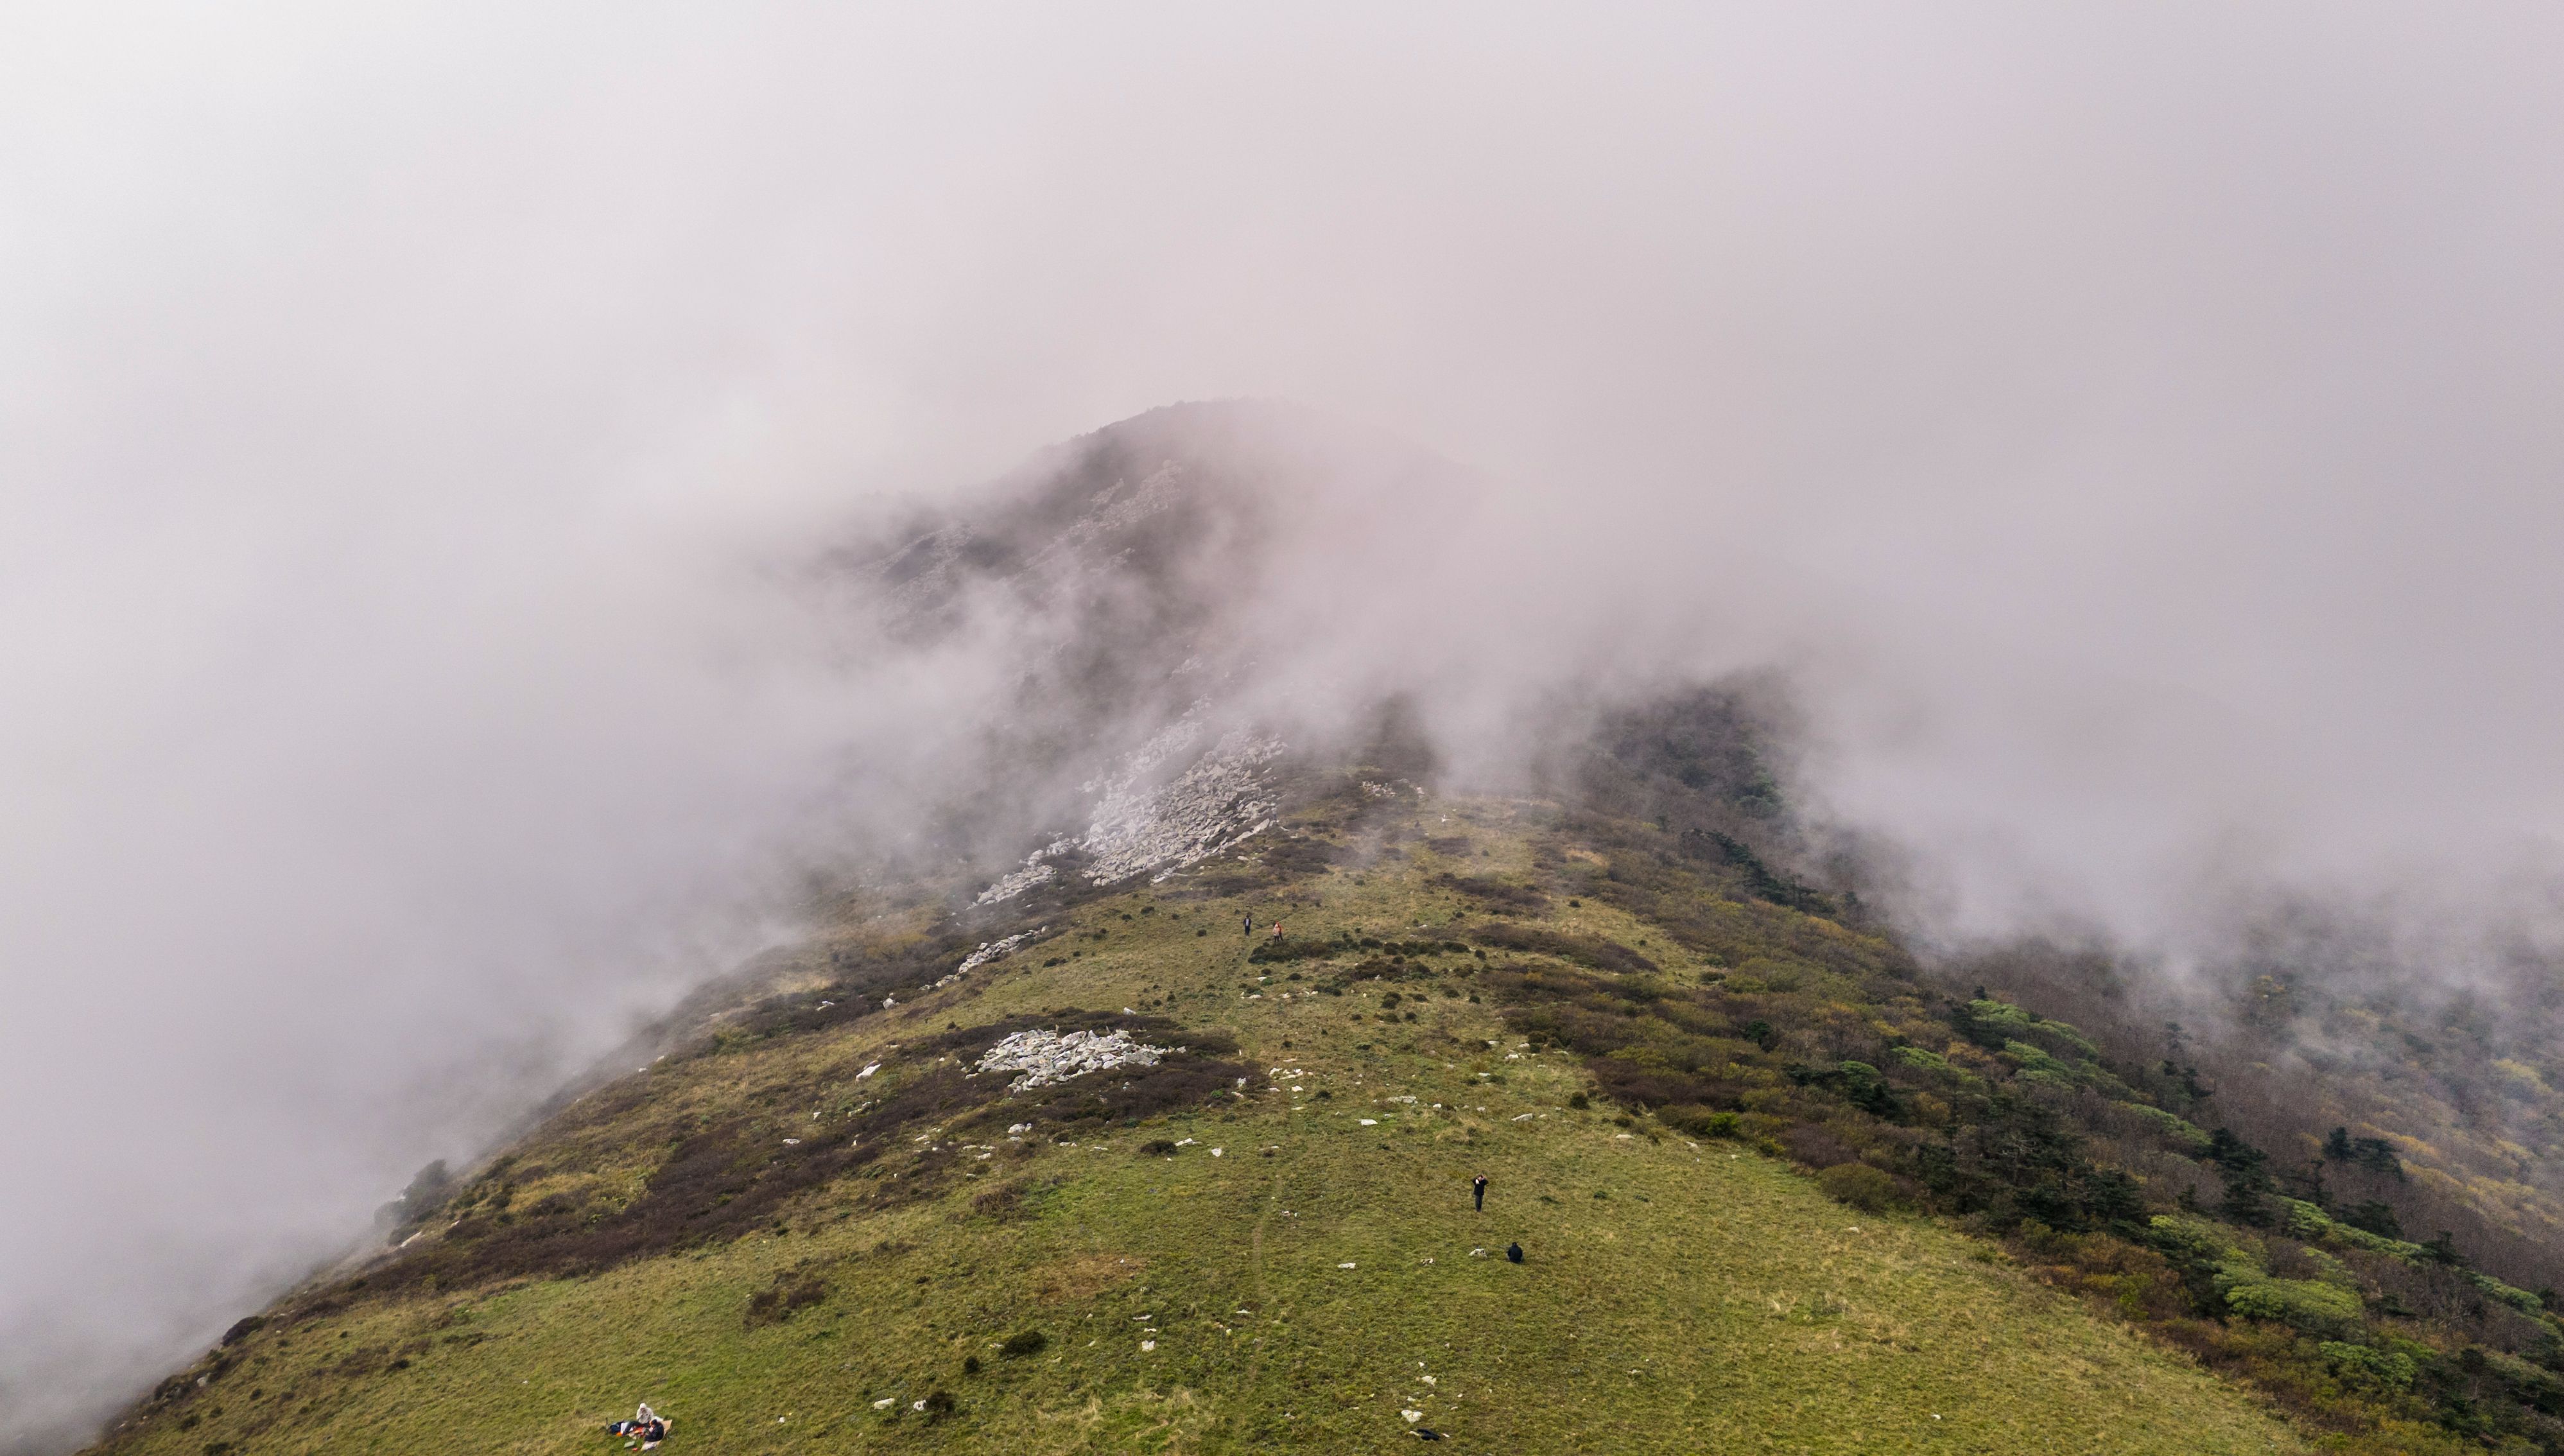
<point x="1024" y="1343"/>
<point x="1498" y="892"/>
<point x="788" y="1295"/>
<point x="1585" y="950"/>
<point x="2307" y="1306"/>
<point x="1003" y="1202"/>
<point x="1858" y="1185"/>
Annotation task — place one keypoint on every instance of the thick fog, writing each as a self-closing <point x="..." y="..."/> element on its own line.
<point x="2137" y="430"/>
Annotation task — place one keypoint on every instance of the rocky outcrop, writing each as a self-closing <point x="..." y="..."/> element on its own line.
<point x="1046" y="1057"/>
<point x="1144" y="826"/>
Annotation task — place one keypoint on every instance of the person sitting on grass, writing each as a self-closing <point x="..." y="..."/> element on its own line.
<point x="647" y="1428"/>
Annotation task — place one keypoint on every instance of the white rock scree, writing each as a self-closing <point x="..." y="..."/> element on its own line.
<point x="1046" y="1057"/>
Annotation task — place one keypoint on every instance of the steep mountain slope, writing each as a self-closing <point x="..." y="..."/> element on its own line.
<point x="815" y="1227"/>
<point x="1778" y="1185"/>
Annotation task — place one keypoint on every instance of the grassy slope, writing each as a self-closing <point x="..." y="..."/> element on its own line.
<point x="1710" y="1300"/>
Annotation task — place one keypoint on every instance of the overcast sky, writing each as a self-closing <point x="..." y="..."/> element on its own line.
<point x="2140" y="426"/>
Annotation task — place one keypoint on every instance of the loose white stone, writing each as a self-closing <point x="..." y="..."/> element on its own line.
<point x="990" y="951"/>
<point x="1046" y="1057"/>
<point x="1144" y="824"/>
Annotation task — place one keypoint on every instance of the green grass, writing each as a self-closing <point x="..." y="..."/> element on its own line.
<point x="1708" y="1299"/>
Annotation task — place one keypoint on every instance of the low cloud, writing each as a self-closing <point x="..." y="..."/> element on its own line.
<point x="2133" y="429"/>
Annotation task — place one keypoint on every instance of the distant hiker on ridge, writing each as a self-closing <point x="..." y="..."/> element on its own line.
<point x="1478" y="1191"/>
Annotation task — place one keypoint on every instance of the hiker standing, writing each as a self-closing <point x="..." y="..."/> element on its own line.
<point x="1478" y="1191"/>
<point x="1250" y="925"/>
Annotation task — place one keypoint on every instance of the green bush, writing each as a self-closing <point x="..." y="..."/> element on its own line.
<point x="2175" y="1128"/>
<point x="2299" y="1219"/>
<point x="2304" y="1305"/>
<point x="2033" y="1059"/>
<point x="2518" y="1299"/>
<point x="2380" y="1371"/>
<point x="1861" y="1186"/>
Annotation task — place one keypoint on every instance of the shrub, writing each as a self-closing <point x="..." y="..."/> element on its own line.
<point x="1497" y="893"/>
<point x="2184" y="1135"/>
<point x="1586" y="951"/>
<point x="1004" y="1201"/>
<point x="1157" y="1148"/>
<point x="1024" y="1343"/>
<point x="939" y="1404"/>
<point x="2309" y="1306"/>
<point x="2384" y="1371"/>
<point x="1858" y="1185"/>
<point x="781" y="1300"/>
<point x="1698" y="1122"/>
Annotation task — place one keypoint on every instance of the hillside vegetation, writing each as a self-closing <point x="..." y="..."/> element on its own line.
<point x="1776" y="1188"/>
<point x="1262" y="1242"/>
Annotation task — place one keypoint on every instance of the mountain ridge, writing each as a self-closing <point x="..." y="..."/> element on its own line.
<point x="1974" y="1184"/>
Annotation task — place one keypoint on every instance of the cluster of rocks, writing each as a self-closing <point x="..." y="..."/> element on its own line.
<point x="1222" y="799"/>
<point x="1145" y="827"/>
<point x="1046" y="1057"/>
<point x="1110" y="516"/>
<point x="1009" y="886"/>
<point x="990" y="951"/>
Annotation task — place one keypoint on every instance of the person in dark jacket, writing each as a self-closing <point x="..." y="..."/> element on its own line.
<point x="647" y="1428"/>
<point x="1478" y="1191"/>
<point x="1513" y="1252"/>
